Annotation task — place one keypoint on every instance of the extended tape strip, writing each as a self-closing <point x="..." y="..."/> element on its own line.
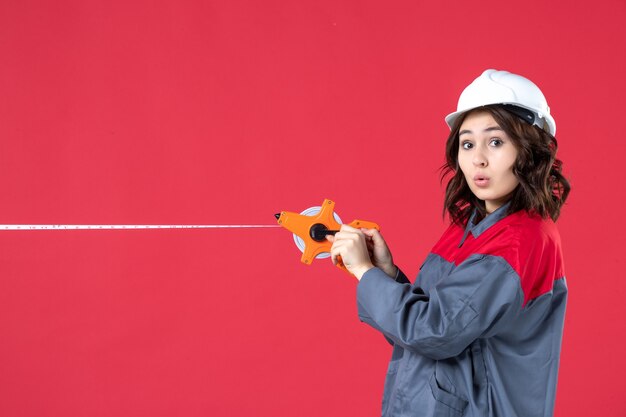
<point x="130" y="226"/>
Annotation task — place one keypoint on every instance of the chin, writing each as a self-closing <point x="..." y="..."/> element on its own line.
<point x="482" y="195"/>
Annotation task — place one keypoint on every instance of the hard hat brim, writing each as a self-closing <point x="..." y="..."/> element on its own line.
<point x="549" y="120"/>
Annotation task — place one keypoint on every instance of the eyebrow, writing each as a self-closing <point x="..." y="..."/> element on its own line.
<point x="489" y="129"/>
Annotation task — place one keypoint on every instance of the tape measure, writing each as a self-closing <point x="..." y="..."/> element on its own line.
<point x="311" y="227"/>
<point x="129" y="226"/>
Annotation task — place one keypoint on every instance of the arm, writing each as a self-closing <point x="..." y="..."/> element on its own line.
<point x="478" y="297"/>
<point x="400" y="278"/>
<point x="363" y="250"/>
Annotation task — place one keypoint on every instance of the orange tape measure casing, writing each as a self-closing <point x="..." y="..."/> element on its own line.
<point x="311" y="229"/>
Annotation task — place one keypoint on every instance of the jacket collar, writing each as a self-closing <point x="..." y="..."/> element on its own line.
<point x="478" y="228"/>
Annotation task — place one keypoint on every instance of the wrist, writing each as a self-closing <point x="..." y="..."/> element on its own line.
<point x="359" y="271"/>
<point x="389" y="269"/>
<point x="392" y="271"/>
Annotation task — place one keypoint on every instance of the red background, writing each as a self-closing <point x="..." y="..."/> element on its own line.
<point x="192" y="112"/>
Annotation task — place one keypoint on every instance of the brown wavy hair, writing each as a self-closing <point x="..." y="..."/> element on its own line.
<point x="542" y="187"/>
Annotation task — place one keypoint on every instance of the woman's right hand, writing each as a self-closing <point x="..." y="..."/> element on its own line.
<point x="380" y="254"/>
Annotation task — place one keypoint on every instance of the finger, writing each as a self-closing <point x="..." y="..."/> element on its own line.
<point x="370" y="232"/>
<point x="333" y="257"/>
<point x="375" y="235"/>
<point x="335" y="253"/>
<point x="346" y="228"/>
<point x="330" y="238"/>
<point x="345" y="235"/>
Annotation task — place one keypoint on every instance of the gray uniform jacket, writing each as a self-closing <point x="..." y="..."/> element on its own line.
<point x="479" y="332"/>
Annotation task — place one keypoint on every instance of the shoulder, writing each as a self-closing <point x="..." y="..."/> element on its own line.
<point x="533" y="249"/>
<point x="528" y="225"/>
<point x="527" y="244"/>
<point x="529" y="236"/>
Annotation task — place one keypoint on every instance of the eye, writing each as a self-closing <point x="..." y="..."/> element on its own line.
<point x="495" y="142"/>
<point x="466" y="145"/>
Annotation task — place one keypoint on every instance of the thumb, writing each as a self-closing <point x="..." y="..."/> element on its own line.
<point x="330" y="238"/>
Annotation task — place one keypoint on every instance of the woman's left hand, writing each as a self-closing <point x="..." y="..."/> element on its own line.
<point x="351" y="245"/>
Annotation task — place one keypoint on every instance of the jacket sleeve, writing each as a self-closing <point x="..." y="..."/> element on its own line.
<point x="479" y="297"/>
<point x="400" y="278"/>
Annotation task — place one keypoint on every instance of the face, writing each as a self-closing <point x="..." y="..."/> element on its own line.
<point x="486" y="158"/>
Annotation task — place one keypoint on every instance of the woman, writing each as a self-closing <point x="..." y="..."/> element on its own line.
<point x="479" y="332"/>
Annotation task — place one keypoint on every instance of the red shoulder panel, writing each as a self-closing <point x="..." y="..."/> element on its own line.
<point x="530" y="245"/>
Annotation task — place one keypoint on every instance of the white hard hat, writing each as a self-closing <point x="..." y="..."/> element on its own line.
<point x="502" y="87"/>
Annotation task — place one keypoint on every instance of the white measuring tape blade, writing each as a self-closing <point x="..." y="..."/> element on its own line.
<point x="130" y="226"/>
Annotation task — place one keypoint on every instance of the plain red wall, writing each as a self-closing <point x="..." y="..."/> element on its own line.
<point x="193" y="112"/>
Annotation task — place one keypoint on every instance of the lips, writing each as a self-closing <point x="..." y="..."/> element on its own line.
<point x="481" y="180"/>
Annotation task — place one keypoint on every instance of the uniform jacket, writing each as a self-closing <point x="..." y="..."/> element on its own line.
<point x="479" y="332"/>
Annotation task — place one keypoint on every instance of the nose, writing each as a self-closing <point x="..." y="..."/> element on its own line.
<point x="479" y="159"/>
